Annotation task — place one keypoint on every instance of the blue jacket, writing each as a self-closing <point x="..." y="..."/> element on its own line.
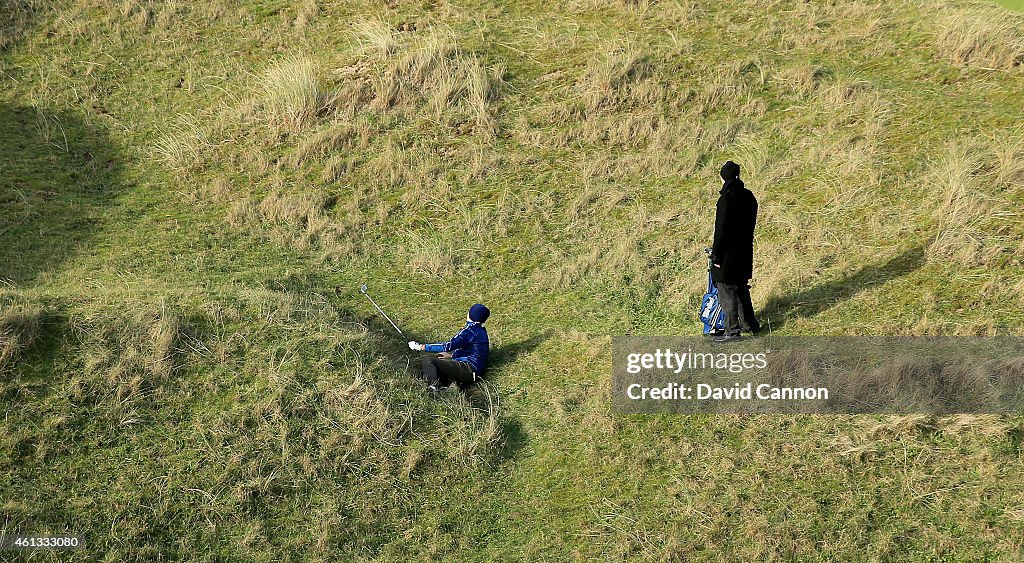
<point x="470" y="345"/>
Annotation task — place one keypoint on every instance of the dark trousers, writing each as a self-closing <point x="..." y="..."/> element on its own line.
<point x="739" y="311"/>
<point x="442" y="372"/>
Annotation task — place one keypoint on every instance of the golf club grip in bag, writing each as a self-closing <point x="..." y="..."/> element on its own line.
<point x="711" y="313"/>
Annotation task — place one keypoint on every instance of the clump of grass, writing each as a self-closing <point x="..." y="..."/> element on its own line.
<point x="424" y="69"/>
<point x="138" y="351"/>
<point x="429" y="60"/>
<point x="763" y="158"/>
<point x="431" y="256"/>
<point x="242" y="212"/>
<point x="1008" y="152"/>
<point x="605" y="75"/>
<point x="300" y="210"/>
<point x="296" y="219"/>
<point x="138" y="13"/>
<point x="290" y="92"/>
<point x="972" y="222"/>
<point x="724" y="87"/>
<point x="183" y="146"/>
<point x="324" y="143"/>
<point x="335" y="169"/>
<point x="802" y="79"/>
<point x="638" y="7"/>
<point x="346" y="99"/>
<point x="377" y="37"/>
<point x="308" y="11"/>
<point x="164" y="332"/>
<point x="985" y="37"/>
<point x="19" y="327"/>
<point x="483" y="85"/>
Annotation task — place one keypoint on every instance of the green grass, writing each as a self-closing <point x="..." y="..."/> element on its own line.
<point x="190" y="195"/>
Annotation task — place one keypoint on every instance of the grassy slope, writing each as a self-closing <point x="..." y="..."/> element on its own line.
<point x="184" y="378"/>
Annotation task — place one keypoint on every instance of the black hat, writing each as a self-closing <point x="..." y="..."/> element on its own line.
<point x="730" y="170"/>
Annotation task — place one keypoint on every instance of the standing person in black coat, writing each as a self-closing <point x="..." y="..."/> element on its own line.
<point x="732" y="254"/>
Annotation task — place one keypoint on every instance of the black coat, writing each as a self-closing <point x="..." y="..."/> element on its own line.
<point x="733" y="249"/>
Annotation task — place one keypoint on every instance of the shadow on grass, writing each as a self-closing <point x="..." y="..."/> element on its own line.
<point x="509" y="353"/>
<point x="810" y="302"/>
<point x="514" y="436"/>
<point x="59" y="174"/>
<point x="28" y="342"/>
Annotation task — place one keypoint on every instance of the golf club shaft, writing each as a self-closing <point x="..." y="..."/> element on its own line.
<point x="385" y="315"/>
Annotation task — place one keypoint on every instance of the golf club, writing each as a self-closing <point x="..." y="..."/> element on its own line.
<point x="362" y="289"/>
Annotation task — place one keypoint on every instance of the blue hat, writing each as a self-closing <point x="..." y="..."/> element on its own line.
<point x="478" y="313"/>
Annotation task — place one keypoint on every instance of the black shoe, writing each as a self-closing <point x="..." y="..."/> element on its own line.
<point x="727" y="338"/>
<point x="715" y="333"/>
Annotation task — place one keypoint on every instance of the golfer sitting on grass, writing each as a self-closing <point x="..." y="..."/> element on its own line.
<point x="463" y="359"/>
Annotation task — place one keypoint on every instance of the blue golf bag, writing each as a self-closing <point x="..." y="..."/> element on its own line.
<point x="711" y="313"/>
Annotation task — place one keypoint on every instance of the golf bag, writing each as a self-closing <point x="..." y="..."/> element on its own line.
<point x="711" y="313"/>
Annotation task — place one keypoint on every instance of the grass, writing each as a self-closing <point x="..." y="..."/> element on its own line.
<point x="191" y="193"/>
<point x="1011" y="4"/>
<point x="992" y="40"/>
<point x="291" y="95"/>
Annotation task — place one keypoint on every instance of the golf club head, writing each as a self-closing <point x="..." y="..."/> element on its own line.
<point x="362" y="288"/>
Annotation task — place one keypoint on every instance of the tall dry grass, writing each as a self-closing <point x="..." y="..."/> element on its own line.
<point x="728" y="87"/>
<point x="395" y="77"/>
<point x="605" y="75"/>
<point x="404" y="71"/>
<point x="377" y="37"/>
<point x="986" y="37"/>
<point x="975" y="221"/>
<point x="139" y="13"/>
<point x="288" y="96"/>
<point x="290" y="92"/>
<point x="327" y="142"/>
<point x="307" y="13"/>
<point x="822" y="26"/>
<point x="635" y="121"/>
<point x="184" y="144"/>
<point x="252" y="420"/>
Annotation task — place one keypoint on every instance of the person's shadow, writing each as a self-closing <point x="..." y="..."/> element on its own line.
<point x="59" y="175"/>
<point x="810" y="302"/>
<point x="515" y="437"/>
<point x="509" y="353"/>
